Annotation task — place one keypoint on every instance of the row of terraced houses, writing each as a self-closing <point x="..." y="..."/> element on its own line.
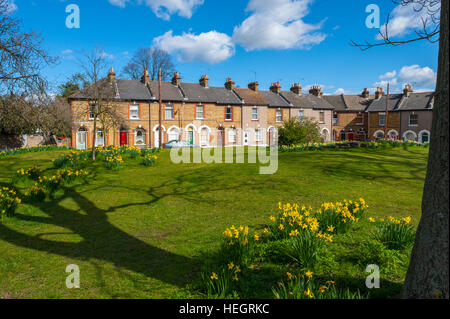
<point x="230" y="116"/>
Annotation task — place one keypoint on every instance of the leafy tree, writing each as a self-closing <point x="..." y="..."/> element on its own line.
<point x="299" y="131"/>
<point x="74" y="84"/>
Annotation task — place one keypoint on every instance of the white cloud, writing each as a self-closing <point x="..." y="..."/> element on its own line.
<point x="388" y="75"/>
<point x="277" y="24"/>
<point x="106" y="55"/>
<point x="421" y="78"/>
<point x="404" y="19"/>
<point x="68" y="51"/>
<point x="211" y="47"/>
<point x="165" y="8"/>
<point x="339" y="91"/>
<point x="417" y="76"/>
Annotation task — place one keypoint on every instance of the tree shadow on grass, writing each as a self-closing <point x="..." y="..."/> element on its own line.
<point x="106" y="242"/>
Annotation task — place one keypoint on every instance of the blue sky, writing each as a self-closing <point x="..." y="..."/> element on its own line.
<point x="289" y="41"/>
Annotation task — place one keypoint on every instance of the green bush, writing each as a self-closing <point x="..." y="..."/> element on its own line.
<point x="299" y="131"/>
<point x="395" y="233"/>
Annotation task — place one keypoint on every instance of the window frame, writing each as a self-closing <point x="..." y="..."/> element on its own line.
<point x="258" y="135"/>
<point x="359" y="118"/>
<point x="197" y="112"/>
<point x="417" y="120"/>
<point x="91" y="107"/>
<point x="382" y="116"/>
<point x="230" y="114"/>
<point x="136" y="137"/>
<point x="322" y="117"/>
<point x="278" y="115"/>
<point x="169" y="107"/>
<point x="336" y="118"/>
<point x="253" y="113"/>
<point x="132" y="105"/>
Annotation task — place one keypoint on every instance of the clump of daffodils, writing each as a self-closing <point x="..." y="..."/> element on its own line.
<point x="8" y="202"/>
<point x="394" y="233"/>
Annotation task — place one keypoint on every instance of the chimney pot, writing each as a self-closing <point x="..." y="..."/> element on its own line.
<point x="253" y="86"/>
<point x="276" y="88"/>
<point x="204" y="81"/>
<point x="316" y="91"/>
<point x="296" y="88"/>
<point x="176" y="80"/>
<point x="365" y="93"/>
<point x="379" y="93"/>
<point x="229" y="84"/>
<point x="407" y="90"/>
<point x="145" y="78"/>
<point x="111" y="74"/>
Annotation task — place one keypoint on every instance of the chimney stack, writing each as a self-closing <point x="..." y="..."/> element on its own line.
<point x="111" y="75"/>
<point x="296" y="88"/>
<point x="379" y="93"/>
<point x="253" y="86"/>
<point x="229" y="84"/>
<point x="145" y="78"/>
<point x="316" y="91"/>
<point x="365" y="93"/>
<point x="204" y="81"/>
<point x="407" y="90"/>
<point x="276" y="88"/>
<point x="176" y="80"/>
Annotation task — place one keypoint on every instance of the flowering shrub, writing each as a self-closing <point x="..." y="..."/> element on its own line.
<point x="338" y="217"/>
<point x="8" y="202"/>
<point x="36" y="193"/>
<point x="396" y="234"/>
<point x="73" y="159"/>
<point x="113" y="161"/>
<point x="31" y="173"/>
<point x="303" y="286"/>
<point x="149" y="160"/>
<point x="220" y="285"/>
<point x="302" y="228"/>
<point x="33" y="149"/>
<point x="238" y="245"/>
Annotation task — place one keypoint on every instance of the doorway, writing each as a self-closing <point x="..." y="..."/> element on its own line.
<point x="81" y="139"/>
<point x="123" y="138"/>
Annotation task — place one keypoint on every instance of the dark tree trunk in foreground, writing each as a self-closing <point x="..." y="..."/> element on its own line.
<point x="427" y="275"/>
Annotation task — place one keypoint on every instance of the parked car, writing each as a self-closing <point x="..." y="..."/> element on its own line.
<point x="179" y="144"/>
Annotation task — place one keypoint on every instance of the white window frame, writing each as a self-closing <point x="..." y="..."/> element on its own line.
<point x="335" y="118"/>
<point x="173" y="132"/>
<point x="197" y="113"/>
<point x="258" y="135"/>
<point x="169" y="108"/>
<point x="381" y="116"/>
<point x="232" y="136"/>
<point x="97" y="139"/>
<point x="134" y="108"/>
<point x="360" y="116"/>
<point x="204" y="139"/>
<point x="255" y="112"/>
<point x="231" y="113"/>
<point x="91" y="106"/>
<point x="279" y="114"/>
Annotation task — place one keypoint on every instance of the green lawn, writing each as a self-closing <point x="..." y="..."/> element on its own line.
<point x="142" y="232"/>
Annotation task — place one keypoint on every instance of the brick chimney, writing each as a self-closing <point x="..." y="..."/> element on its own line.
<point x="296" y="88"/>
<point x="111" y="75"/>
<point x="365" y="93"/>
<point x="407" y="90"/>
<point x="145" y="78"/>
<point x="204" y="81"/>
<point x="316" y="90"/>
<point x="176" y="80"/>
<point x="229" y="84"/>
<point x="379" y="93"/>
<point x="276" y="88"/>
<point x="253" y="86"/>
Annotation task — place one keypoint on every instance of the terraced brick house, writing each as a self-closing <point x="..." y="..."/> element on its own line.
<point x="410" y="115"/>
<point x="194" y="112"/>
<point x="311" y="105"/>
<point x="350" y="119"/>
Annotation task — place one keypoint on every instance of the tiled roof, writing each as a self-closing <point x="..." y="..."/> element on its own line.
<point x="307" y="101"/>
<point x="349" y="103"/>
<point x="133" y="90"/>
<point x="197" y="93"/>
<point x="251" y="97"/>
<point x="379" y="105"/>
<point x="169" y="91"/>
<point x="107" y="89"/>
<point x="417" y="101"/>
<point x="275" y="100"/>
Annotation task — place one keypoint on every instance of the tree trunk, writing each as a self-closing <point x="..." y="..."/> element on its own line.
<point x="94" y="138"/>
<point x="427" y="275"/>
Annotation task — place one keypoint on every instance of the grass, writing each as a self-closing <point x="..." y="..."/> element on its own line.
<point x="144" y="232"/>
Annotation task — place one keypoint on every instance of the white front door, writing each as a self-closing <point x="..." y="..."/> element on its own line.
<point x="81" y="140"/>
<point x="246" y="138"/>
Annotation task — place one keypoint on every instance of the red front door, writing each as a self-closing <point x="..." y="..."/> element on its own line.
<point x="123" y="138"/>
<point x="351" y="136"/>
